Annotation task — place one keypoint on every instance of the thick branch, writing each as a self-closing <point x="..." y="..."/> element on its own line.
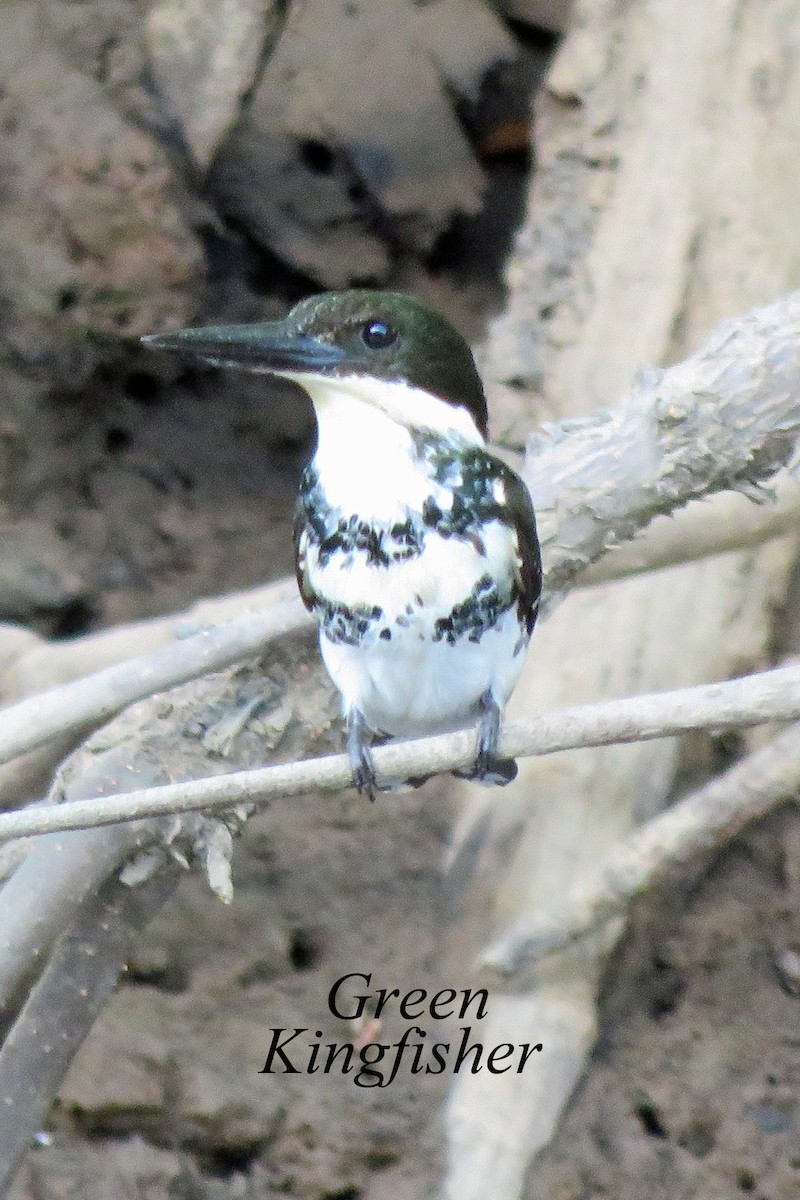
<point x="752" y="700"/>
<point x="43" y="895"/>
<point x="717" y="526"/>
<point x="703" y="821"/>
<point x="75" y="985"/>
<point x="726" y="418"/>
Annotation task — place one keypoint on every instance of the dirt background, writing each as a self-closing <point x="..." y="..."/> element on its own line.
<point x="131" y="487"/>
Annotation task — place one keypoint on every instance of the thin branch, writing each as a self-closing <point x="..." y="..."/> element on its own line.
<point x="752" y="700"/>
<point x="702" y="822"/>
<point x="726" y="418"/>
<point x="74" y="987"/>
<point x="79" y="706"/>
<point x="32" y="665"/>
<point x="46" y="663"/>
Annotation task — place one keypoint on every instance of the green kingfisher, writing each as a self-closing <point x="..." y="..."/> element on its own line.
<point x="416" y="547"/>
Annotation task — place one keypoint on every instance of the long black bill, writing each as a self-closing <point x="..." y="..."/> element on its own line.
<point x="265" y="347"/>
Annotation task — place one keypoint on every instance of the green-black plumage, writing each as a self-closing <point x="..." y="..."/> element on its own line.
<point x="325" y="333"/>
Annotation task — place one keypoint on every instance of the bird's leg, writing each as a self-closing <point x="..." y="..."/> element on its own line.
<point x="359" y="754"/>
<point x="489" y="767"/>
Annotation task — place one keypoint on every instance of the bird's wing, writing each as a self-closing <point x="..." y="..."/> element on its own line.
<point x="520" y="517"/>
<point x="307" y="593"/>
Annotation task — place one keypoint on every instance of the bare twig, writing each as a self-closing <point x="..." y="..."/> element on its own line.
<point x="751" y="700"/>
<point x="31" y="664"/>
<point x="61" y="1009"/>
<point x="87" y="702"/>
<point x="703" y="821"/>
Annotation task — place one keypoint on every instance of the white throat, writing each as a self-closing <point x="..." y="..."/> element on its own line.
<point x="365" y="453"/>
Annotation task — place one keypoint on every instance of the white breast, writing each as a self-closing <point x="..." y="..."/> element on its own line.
<point x="432" y="583"/>
<point x="410" y="682"/>
<point x="413" y="686"/>
<point x="403" y="675"/>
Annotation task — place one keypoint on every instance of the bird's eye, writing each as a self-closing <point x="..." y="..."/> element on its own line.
<point x="377" y="335"/>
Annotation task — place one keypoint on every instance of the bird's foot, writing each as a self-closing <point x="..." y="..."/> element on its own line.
<point x="489" y="767"/>
<point x="492" y="770"/>
<point x="358" y="752"/>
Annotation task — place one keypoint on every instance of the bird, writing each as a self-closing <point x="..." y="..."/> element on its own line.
<point x="415" y="545"/>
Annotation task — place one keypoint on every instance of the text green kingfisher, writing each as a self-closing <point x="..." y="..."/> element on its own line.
<point x="416" y="547"/>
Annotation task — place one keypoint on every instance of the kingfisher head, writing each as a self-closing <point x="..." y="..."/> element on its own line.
<point x="383" y="349"/>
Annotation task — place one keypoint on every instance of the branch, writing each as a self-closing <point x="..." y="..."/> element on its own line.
<point x="753" y="700"/>
<point x="726" y="418"/>
<point x="29" y="665"/>
<point x="703" y="821"/>
<point x="43" y="895"/>
<point x="719" y="525"/>
<point x="76" y="984"/>
<point x="61" y="870"/>
<point x="79" y="706"/>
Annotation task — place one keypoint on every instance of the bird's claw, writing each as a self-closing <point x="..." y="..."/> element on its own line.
<point x="489" y="767"/>
<point x="364" y="776"/>
<point x="358" y="752"/>
<point x="493" y="770"/>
